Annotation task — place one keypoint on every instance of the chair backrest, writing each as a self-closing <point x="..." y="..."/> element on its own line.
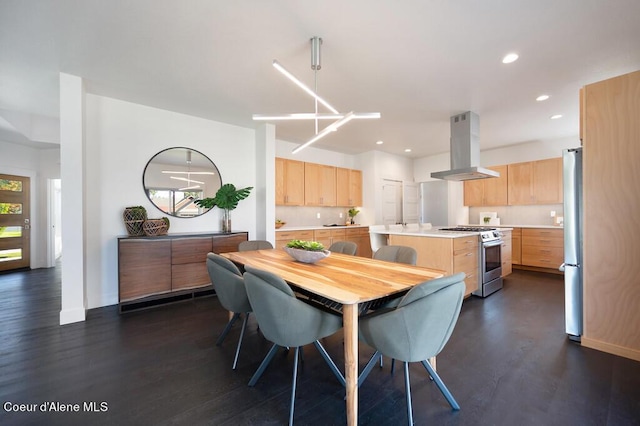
<point x="283" y="319"/>
<point x="377" y="240"/>
<point x="399" y="254"/>
<point x="412" y="226"/>
<point x="254" y="245"/>
<point x="345" y="247"/>
<point x="228" y="283"/>
<point x="421" y="324"/>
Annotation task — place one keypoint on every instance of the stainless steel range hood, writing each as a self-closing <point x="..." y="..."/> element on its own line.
<point x="465" y="150"/>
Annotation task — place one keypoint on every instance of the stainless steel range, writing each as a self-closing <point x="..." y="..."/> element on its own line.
<point x="490" y="258"/>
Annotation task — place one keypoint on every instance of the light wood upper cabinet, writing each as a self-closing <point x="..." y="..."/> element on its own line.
<point x="547" y="181"/>
<point x="319" y="185"/>
<point x="487" y="192"/>
<point x="290" y="180"/>
<point x="535" y="182"/>
<point x="348" y="187"/>
<point x="520" y="183"/>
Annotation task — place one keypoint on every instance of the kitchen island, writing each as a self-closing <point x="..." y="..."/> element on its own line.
<point x="450" y="251"/>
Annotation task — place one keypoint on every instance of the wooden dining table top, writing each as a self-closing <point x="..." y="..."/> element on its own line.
<point x="342" y="278"/>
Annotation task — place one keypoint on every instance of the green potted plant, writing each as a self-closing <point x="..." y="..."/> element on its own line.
<point x="306" y="251"/>
<point x="353" y="212"/>
<point x="227" y="199"/>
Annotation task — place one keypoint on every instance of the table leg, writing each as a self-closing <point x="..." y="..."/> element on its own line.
<point x="350" y="324"/>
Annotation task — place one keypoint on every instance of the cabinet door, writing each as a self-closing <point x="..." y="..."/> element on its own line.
<point x="289" y="182"/>
<point x="319" y="185"/>
<point x="228" y="243"/>
<point x="189" y="262"/>
<point x="495" y="189"/>
<point x="343" y="187"/>
<point x="520" y="177"/>
<point x="547" y="181"/>
<point x="144" y="268"/>
<point x="516" y="246"/>
<point x="348" y="187"/>
<point x="473" y="192"/>
<point x="355" y="188"/>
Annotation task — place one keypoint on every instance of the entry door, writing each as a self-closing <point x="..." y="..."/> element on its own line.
<point x="391" y="202"/>
<point x="15" y="223"/>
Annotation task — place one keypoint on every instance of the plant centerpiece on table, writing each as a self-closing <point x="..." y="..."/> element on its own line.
<point x="353" y="212"/>
<point x="306" y="251"/>
<point x="227" y="199"/>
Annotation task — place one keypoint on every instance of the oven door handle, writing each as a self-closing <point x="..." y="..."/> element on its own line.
<point x="492" y="243"/>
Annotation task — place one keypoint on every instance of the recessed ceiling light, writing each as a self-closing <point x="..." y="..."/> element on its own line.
<point x="542" y="98"/>
<point x="555" y="117"/>
<point x="407" y="150"/>
<point x="511" y="57"/>
<point x="379" y="143"/>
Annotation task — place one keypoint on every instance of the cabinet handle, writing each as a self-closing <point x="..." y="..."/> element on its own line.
<point x="468" y="254"/>
<point x="545" y="251"/>
<point x="545" y="241"/>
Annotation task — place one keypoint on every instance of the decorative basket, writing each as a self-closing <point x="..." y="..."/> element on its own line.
<point x="306" y="256"/>
<point x="134" y="218"/>
<point x="154" y="227"/>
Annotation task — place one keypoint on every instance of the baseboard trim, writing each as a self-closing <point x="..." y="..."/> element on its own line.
<point x="69" y="316"/>
<point x="538" y="269"/>
<point x="622" y="351"/>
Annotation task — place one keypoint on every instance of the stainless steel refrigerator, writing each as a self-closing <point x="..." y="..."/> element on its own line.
<point x="572" y="185"/>
<point x="434" y="202"/>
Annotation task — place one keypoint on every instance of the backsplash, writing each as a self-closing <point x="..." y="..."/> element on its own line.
<point x="308" y="216"/>
<point x="520" y="215"/>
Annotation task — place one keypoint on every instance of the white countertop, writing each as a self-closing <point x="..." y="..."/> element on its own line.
<point x="523" y="226"/>
<point x="312" y="228"/>
<point x="433" y="232"/>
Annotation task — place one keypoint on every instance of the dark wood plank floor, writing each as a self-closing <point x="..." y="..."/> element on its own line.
<point x="507" y="363"/>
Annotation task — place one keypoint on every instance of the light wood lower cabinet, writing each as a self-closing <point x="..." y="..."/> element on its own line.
<point x="151" y="269"/>
<point x="516" y="246"/>
<point x="328" y="236"/>
<point x="451" y="255"/>
<point x="543" y="248"/>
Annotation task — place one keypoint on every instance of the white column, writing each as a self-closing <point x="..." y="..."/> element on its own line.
<point x="266" y="182"/>
<point x="73" y="203"/>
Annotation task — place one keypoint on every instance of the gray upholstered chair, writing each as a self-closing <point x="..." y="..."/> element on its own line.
<point x="229" y="285"/>
<point x="254" y="245"/>
<point x="287" y="322"/>
<point x="345" y="247"/>
<point x="416" y="330"/>
<point x="400" y="254"/>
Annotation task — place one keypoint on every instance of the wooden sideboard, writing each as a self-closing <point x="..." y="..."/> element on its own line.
<point x="154" y="270"/>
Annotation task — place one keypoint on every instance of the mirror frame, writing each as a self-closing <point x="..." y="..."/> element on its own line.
<point x="190" y="207"/>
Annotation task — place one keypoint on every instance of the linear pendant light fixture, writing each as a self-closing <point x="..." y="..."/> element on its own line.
<point x="341" y="119"/>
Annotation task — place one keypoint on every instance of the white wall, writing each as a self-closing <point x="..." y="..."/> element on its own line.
<point x="120" y="138"/>
<point x="39" y="165"/>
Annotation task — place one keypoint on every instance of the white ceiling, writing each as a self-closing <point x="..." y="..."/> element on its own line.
<point x="416" y="61"/>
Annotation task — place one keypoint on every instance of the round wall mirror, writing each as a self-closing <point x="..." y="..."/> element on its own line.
<point x="176" y="177"/>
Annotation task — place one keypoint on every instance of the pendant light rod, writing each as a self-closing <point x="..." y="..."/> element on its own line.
<point x="313" y="116"/>
<point x="303" y="86"/>
<point x="324" y="132"/>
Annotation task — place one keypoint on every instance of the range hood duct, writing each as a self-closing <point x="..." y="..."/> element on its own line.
<point x="465" y="150"/>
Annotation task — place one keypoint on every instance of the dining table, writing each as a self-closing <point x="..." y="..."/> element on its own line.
<point x="348" y="280"/>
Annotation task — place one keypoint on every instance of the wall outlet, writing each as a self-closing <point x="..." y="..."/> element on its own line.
<point x="317" y="215"/>
<point x="553" y="213"/>
<point x="340" y="215"/>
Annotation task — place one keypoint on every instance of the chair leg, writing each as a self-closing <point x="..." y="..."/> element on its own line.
<point x="454" y="404"/>
<point x="330" y="363"/>
<point x="407" y="388"/>
<point x="244" y="326"/>
<point x="293" y="385"/>
<point x="367" y="368"/>
<point x="393" y="365"/>
<point x="224" y="333"/>
<point x="263" y="366"/>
